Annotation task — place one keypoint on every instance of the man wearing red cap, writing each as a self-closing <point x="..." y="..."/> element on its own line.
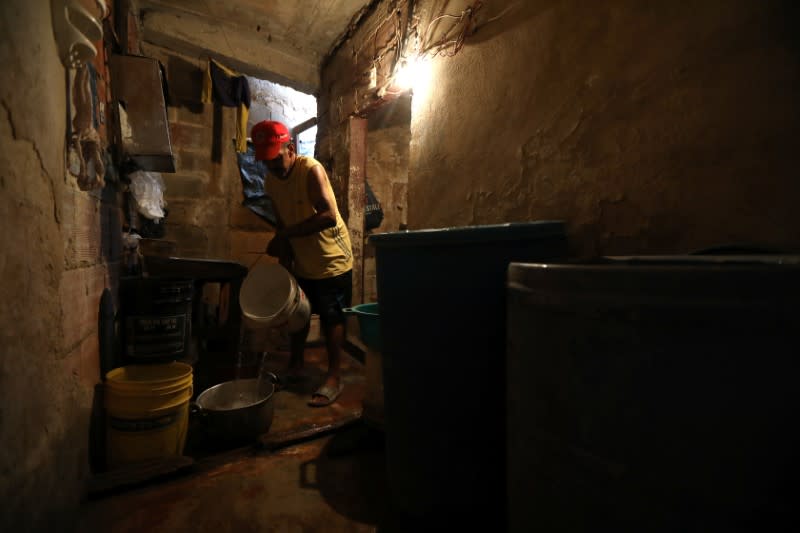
<point x="312" y="241"/>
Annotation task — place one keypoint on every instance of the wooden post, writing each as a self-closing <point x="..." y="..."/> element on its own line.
<point x="356" y="199"/>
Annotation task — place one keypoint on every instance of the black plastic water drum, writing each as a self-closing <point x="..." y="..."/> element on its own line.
<point x="654" y="393"/>
<point x="156" y="318"/>
<point x="443" y="330"/>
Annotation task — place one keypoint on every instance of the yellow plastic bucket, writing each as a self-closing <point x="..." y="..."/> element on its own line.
<point x="140" y="378"/>
<point x="147" y="412"/>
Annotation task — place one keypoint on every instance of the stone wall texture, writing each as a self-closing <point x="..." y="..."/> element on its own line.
<point x="388" y="136"/>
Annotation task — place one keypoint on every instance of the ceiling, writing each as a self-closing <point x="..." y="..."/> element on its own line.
<point x="277" y="40"/>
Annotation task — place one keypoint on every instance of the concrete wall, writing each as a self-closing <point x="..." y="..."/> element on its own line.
<point x="198" y="193"/>
<point x="388" y="136"/>
<point x="272" y="101"/>
<point x="206" y="218"/>
<point x="657" y="127"/>
<point x="60" y="249"/>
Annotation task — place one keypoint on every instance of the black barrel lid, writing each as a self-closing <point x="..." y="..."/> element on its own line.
<point x="471" y="234"/>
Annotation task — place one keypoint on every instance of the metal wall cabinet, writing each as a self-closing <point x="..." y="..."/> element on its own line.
<point x="142" y="113"/>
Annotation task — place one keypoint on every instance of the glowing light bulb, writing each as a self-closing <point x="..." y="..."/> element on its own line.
<point x="412" y="73"/>
<point x="407" y="71"/>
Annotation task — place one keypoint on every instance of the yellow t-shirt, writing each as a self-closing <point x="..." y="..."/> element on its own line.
<point x="324" y="254"/>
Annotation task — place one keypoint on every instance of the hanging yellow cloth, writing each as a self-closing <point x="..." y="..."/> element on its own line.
<point x="229" y="88"/>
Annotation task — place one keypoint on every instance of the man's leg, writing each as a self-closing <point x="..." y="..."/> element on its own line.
<point x="334" y="340"/>
<point x="333" y="299"/>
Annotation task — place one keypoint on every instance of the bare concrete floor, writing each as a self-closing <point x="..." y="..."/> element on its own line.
<point x="333" y="483"/>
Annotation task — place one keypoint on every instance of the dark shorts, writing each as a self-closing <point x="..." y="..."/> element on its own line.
<point x="328" y="296"/>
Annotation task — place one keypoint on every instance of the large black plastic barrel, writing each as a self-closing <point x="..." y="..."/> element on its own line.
<point x="442" y="304"/>
<point x="654" y="394"/>
<point x="156" y="323"/>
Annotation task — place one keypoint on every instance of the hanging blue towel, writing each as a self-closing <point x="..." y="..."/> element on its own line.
<point x="252" y="173"/>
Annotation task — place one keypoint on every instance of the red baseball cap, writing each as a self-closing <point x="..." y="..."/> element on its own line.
<point x="268" y="136"/>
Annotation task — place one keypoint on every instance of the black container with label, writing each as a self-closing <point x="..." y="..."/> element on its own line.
<point x="156" y="321"/>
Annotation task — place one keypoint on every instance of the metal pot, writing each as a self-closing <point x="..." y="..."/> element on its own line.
<point x="237" y="410"/>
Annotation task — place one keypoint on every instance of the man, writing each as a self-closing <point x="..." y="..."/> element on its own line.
<point x="312" y="241"/>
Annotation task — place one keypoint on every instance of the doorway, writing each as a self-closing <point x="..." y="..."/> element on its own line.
<point x="380" y="145"/>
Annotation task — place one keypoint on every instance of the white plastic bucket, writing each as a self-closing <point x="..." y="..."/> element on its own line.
<point x="271" y="298"/>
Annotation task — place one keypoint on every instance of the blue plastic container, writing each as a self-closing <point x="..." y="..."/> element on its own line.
<point x="443" y="333"/>
<point x="368" y="324"/>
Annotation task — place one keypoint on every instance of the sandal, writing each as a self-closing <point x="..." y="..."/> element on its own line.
<point x="328" y="393"/>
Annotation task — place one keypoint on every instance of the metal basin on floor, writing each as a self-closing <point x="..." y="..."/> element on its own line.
<point x="237" y="410"/>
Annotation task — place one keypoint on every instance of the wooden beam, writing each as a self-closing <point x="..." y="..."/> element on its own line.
<point x="303" y="126"/>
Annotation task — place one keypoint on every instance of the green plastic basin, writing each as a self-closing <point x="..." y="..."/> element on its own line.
<point x="367" y="315"/>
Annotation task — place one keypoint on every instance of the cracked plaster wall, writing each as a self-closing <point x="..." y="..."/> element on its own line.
<point x="51" y="277"/>
<point x="658" y="127"/>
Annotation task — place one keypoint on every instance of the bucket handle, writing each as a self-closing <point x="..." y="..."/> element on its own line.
<point x="276" y="383"/>
<point x="196" y="411"/>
